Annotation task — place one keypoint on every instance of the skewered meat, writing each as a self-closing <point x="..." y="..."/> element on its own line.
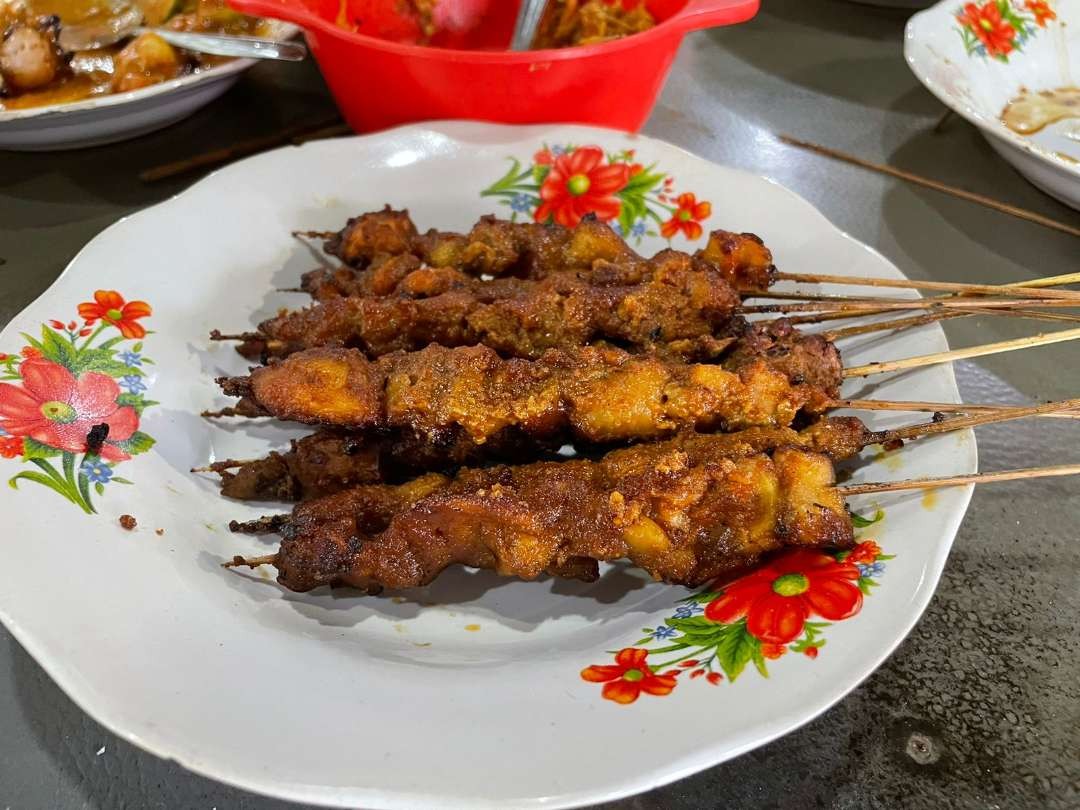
<point x="330" y="461"/>
<point x="591" y="394"/>
<point x="672" y="299"/>
<point x="687" y="510"/>
<point x="495" y="247"/>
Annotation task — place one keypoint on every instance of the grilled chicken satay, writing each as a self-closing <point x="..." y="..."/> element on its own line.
<point x="589" y="394"/>
<point x="672" y="300"/>
<point x="686" y="510"/>
<point x="495" y="247"/>
<point x="331" y="460"/>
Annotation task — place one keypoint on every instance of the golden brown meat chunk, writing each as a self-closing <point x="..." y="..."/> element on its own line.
<point x="669" y="301"/>
<point x="590" y="394"/>
<point x="687" y="510"/>
<point x="146" y="60"/>
<point x="330" y="461"/>
<point x="743" y="259"/>
<point x="385" y="232"/>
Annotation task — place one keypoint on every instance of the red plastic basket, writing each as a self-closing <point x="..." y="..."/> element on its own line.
<point x="380" y="81"/>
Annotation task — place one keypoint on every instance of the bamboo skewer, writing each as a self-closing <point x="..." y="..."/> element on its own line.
<point x="916" y="406"/>
<point x="935" y="185"/>
<point x="919" y="303"/>
<point x="899" y="323"/>
<point x="975" y="420"/>
<point x="250" y="562"/>
<point x="910" y="284"/>
<point x="962" y="354"/>
<point x="932" y="317"/>
<point x="957" y="480"/>
<point x="1048" y="281"/>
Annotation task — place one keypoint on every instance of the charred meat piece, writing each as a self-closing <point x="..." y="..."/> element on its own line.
<point x="330" y="461"/>
<point x="686" y="510"/>
<point x="590" y="394"/>
<point x="670" y="301"/>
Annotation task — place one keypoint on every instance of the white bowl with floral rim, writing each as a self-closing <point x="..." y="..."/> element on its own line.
<point x="473" y="692"/>
<point x="976" y="57"/>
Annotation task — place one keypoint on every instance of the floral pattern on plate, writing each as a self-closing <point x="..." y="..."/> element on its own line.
<point x="715" y="633"/>
<point x="64" y="399"/>
<point x="564" y="183"/>
<point x="997" y="28"/>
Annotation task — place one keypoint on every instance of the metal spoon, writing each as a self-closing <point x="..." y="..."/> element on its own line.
<point x="125" y="20"/>
<point x="528" y="20"/>
<point x="222" y="45"/>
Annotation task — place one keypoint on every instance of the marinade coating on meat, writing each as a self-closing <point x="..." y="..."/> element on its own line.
<point x="493" y="247"/>
<point x="686" y="510"/>
<point x="496" y="247"/>
<point x="804" y="358"/>
<point x="331" y="461"/>
<point x="591" y="394"/>
<point x="670" y="300"/>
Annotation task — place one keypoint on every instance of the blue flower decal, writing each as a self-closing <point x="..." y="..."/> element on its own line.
<point x="97" y="471"/>
<point x="133" y="383"/>
<point x="688" y="609"/>
<point x="132" y="359"/>
<point x="871" y="570"/>
<point x="663" y="631"/>
<point x="522" y="203"/>
<point x="639" y="228"/>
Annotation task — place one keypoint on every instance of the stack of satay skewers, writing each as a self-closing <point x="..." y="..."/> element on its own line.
<point x="449" y="374"/>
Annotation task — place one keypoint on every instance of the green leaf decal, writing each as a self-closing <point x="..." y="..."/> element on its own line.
<point x="735" y="649"/>
<point x="136" y="401"/>
<point x="35" y="449"/>
<point x="138" y="443"/>
<point x="103" y="361"/>
<point x="861" y="523"/>
<point x="57" y="349"/>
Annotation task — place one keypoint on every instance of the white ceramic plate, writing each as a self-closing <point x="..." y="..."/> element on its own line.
<point x="119" y="116"/>
<point x="977" y="75"/>
<point x="466" y="694"/>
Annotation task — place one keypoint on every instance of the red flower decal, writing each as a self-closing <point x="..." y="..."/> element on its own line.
<point x="811" y="652"/>
<point x="985" y="21"/>
<point x="687" y="218"/>
<point x="773" y="651"/>
<point x="58" y="409"/>
<point x="29" y="352"/>
<point x="543" y="158"/>
<point x="1042" y="11"/>
<point x="579" y="183"/>
<point x="11" y="446"/>
<point x="629" y="677"/>
<point x="109" y="306"/>
<point x="778" y="598"/>
<point x="866" y="553"/>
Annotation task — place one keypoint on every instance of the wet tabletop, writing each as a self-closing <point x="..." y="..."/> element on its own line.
<point x="980" y="706"/>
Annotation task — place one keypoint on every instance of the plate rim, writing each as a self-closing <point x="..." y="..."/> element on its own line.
<point x="223" y="71"/>
<point x="667" y="771"/>
<point x="990" y="128"/>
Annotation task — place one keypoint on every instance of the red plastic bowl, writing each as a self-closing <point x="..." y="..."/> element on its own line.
<point x="378" y="80"/>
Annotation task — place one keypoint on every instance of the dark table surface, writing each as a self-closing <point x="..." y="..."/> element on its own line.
<point x="980" y="706"/>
